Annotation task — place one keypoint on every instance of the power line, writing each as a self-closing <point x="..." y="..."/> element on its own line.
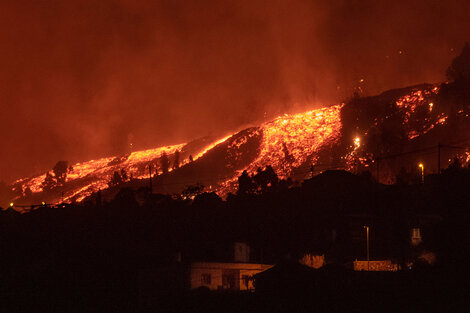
<point x="325" y="166"/>
<point x="455" y="147"/>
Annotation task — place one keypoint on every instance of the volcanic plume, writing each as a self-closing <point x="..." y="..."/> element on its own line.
<point x="350" y="136"/>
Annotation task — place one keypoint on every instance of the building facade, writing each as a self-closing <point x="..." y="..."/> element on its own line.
<point x="225" y="276"/>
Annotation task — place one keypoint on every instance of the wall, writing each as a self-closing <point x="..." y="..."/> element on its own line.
<point x="218" y="270"/>
<point x="383" y="265"/>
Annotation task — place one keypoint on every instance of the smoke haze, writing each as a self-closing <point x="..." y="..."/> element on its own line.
<point x="82" y="79"/>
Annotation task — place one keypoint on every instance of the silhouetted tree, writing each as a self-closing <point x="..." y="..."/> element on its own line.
<point x="265" y="179"/>
<point x="124" y="175"/>
<point x="285" y="184"/>
<point x="115" y="180"/>
<point x="456" y="165"/>
<point x="60" y="172"/>
<point x="190" y="192"/>
<point x="245" y="184"/>
<point x="176" y="162"/>
<point x="456" y="94"/>
<point x="459" y="69"/>
<point x="207" y="200"/>
<point x="49" y="182"/>
<point x="28" y="192"/>
<point x="287" y="156"/>
<point x="259" y="179"/>
<point x="191" y="158"/>
<point x="259" y="183"/>
<point x="164" y="163"/>
<point x="98" y="198"/>
<point x="271" y="176"/>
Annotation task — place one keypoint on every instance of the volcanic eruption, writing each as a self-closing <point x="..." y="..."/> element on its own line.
<point x="393" y="130"/>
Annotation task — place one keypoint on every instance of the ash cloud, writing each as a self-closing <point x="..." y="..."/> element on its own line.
<point x="82" y="79"/>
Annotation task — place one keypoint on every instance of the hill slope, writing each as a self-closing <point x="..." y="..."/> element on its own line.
<point x="347" y="136"/>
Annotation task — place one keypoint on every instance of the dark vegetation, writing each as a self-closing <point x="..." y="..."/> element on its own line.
<point x="77" y="258"/>
<point x="57" y="177"/>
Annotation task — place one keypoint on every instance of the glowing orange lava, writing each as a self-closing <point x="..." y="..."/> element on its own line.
<point x="411" y="103"/>
<point x="96" y="173"/>
<point x="292" y="140"/>
<point x="288" y="143"/>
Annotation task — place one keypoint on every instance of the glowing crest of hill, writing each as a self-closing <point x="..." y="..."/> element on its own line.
<point x="285" y="143"/>
<point x="347" y="136"/>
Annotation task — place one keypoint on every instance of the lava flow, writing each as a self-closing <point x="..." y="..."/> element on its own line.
<point x="292" y="144"/>
<point x="96" y="173"/>
<point x="291" y="141"/>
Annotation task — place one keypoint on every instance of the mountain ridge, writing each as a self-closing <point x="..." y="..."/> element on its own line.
<point x="340" y="136"/>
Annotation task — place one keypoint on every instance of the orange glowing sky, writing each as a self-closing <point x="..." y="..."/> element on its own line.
<point x="83" y="79"/>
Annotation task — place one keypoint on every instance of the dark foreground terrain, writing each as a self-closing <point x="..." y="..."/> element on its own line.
<point x="92" y="257"/>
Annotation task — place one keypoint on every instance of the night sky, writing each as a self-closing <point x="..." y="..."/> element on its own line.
<point x="82" y="79"/>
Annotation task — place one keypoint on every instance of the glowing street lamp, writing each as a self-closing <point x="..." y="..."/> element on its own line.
<point x="367" y="234"/>
<point x="422" y="172"/>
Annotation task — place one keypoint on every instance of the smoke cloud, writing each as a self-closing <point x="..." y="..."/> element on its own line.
<point x="82" y="79"/>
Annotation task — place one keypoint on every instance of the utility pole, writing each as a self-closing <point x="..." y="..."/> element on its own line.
<point x="377" y="168"/>
<point x="439" y="158"/>
<point x="367" y="236"/>
<point x="311" y="170"/>
<point x="150" y="177"/>
<point x="421" y="166"/>
<point x="98" y="198"/>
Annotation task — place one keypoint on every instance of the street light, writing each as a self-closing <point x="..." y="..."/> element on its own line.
<point x="367" y="234"/>
<point x="422" y="172"/>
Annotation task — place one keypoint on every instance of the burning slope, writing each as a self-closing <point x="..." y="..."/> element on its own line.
<point x="348" y="136"/>
<point x="96" y="173"/>
<point x="390" y="123"/>
<point x="285" y="143"/>
<point x="291" y="142"/>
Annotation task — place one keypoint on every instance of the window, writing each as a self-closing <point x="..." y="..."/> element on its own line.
<point x="228" y="281"/>
<point x="206" y="279"/>
<point x="246" y="281"/>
